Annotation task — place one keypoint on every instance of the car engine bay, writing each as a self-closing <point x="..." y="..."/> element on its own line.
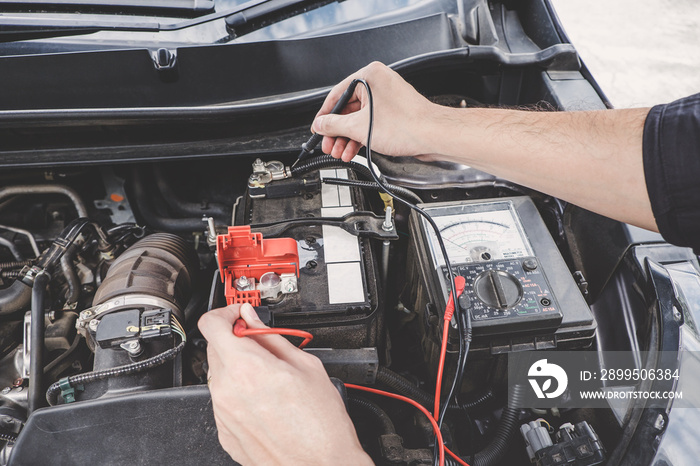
<point x="141" y="195"/>
<point x="315" y="248"/>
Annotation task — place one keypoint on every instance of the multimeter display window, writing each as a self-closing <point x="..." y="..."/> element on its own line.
<point x="477" y="233"/>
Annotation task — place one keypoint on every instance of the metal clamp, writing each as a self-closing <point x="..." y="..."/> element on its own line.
<point x="362" y="224"/>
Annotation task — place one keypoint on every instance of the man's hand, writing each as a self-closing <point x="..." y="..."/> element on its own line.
<point x="273" y="403"/>
<point x="399" y="116"/>
<point x="591" y="159"/>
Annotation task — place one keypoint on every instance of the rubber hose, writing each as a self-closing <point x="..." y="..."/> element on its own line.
<point x="18" y="295"/>
<point x="160" y="265"/>
<point x="189" y="209"/>
<point x="153" y="219"/>
<point x="73" y="292"/>
<point x="494" y="451"/>
<point x="403" y="386"/>
<point x="36" y="349"/>
<point x="141" y="366"/>
<point x="53" y="254"/>
<point x="326" y="161"/>
<point x="15" y="298"/>
<point x="63" y="356"/>
<point x="12" y="247"/>
<point x="382" y="418"/>
<point x="398" y="190"/>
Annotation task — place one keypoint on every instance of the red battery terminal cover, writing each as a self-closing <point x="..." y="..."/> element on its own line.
<point x="242" y="253"/>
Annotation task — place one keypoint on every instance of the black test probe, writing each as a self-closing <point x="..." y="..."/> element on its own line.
<point x="307" y="149"/>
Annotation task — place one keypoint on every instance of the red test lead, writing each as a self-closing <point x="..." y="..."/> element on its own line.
<point x="240" y="329"/>
<point x="460" y="282"/>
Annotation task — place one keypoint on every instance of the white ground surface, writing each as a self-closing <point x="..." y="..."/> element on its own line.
<point x="641" y="52"/>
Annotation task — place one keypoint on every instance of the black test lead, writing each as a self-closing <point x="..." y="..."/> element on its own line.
<point x="308" y="147"/>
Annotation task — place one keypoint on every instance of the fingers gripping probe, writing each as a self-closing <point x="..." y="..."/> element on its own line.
<point x="308" y="147"/>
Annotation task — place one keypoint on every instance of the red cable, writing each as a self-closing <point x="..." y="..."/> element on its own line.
<point x="240" y="329"/>
<point x="460" y="282"/>
<point x="438" y="434"/>
<point x="456" y="458"/>
<point x="441" y="366"/>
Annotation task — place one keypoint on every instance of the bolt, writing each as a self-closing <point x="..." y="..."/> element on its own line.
<point x="403" y="309"/>
<point x="311" y="264"/>
<point x="244" y="284"/>
<point x="18" y="382"/>
<point x="676" y="313"/>
<point x="310" y="240"/>
<point x="132" y="347"/>
<point x="388" y="224"/>
<point x="92" y="325"/>
<point x="6" y="390"/>
<point x="660" y="422"/>
<point x="211" y="233"/>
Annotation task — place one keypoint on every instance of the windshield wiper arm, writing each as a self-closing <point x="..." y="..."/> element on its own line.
<point x="191" y="5"/>
<point x="13" y="25"/>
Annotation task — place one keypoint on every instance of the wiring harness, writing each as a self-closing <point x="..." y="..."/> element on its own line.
<point x="67" y="385"/>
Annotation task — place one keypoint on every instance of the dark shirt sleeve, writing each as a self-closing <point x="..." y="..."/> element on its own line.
<point x="672" y="169"/>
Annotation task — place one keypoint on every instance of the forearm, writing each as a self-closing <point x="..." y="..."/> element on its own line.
<point x="591" y="159"/>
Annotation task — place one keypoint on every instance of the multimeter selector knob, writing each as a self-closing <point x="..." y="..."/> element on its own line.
<point x="498" y="289"/>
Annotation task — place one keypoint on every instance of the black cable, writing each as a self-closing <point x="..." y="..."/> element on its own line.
<point x="463" y="345"/>
<point x="405" y="387"/>
<point x="382" y="419"/>
<point x="327" y="161"/>
<point x="146" y="364"/>
<point x="401" y="191"/>
<point x="494" y="452"/>
<point x="62" y="357"/>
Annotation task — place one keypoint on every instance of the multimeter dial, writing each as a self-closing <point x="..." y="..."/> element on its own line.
<point x="487" y="245"/>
